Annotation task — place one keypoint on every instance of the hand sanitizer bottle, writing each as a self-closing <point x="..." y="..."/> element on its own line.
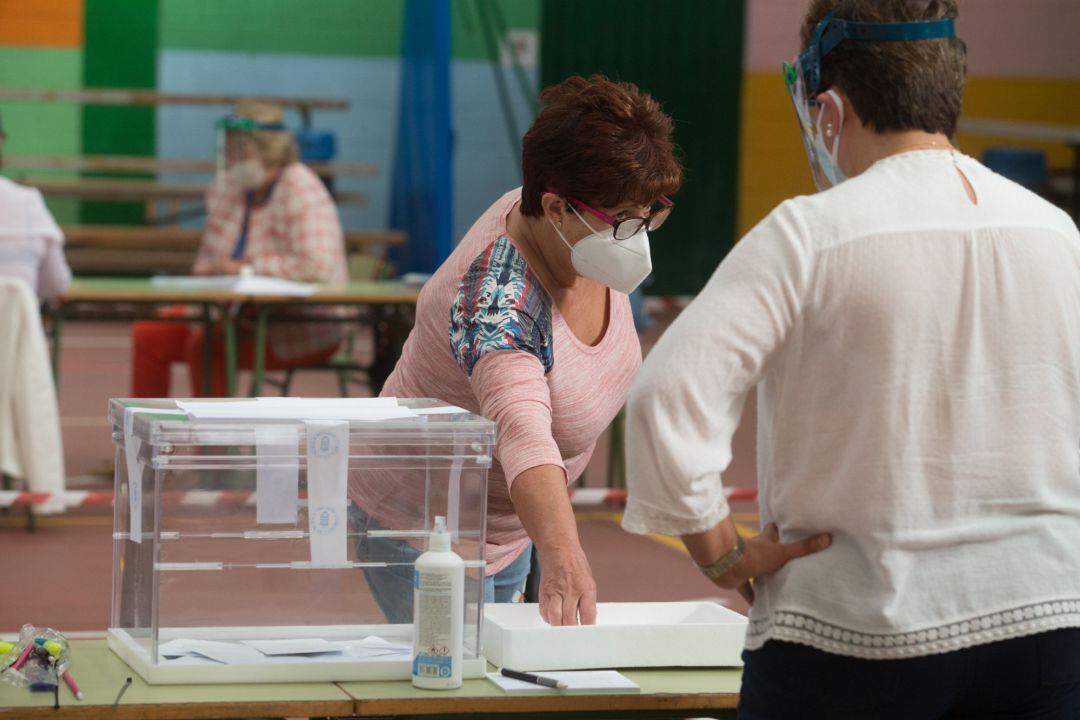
<point x="438" y="613"/>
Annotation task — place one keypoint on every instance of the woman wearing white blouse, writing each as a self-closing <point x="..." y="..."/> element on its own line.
<point x="914" y="336"/>
<point x="31" y="243"/>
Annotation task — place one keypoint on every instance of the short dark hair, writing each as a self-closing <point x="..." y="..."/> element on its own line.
<point x="910" y="85"/>
<point x="601" y="142"/>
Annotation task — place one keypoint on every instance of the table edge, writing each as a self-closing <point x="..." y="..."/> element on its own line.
<point x="369" y="707"/>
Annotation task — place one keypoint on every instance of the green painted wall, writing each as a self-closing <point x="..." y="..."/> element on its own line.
<point x="43" y="128"/>
<point x="688" y="55"/>
<point x="364" y="28"/>
<point x="120" y="51"/>
<point x="310" y="27"/>
<point x="467" y="32"/>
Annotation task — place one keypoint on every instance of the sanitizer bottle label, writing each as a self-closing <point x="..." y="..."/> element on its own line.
<point x="432" y="597"/>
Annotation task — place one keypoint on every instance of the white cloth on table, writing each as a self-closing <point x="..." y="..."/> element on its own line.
<point x="30" y="446"/>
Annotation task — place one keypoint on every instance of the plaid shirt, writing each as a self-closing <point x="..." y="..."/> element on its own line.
<point x="295" y="235"/>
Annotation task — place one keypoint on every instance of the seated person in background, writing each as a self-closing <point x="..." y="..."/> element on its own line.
<point x="265" y="211"/>
<point x="31" y="244"/>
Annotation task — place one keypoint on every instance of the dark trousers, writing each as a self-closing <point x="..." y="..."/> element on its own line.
<point x="1030" y="677"/>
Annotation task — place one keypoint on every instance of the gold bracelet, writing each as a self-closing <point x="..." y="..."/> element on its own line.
<point x="730" y="559"/>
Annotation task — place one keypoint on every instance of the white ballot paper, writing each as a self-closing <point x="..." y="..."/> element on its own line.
<point x="132" y="445"/>
<point x="277" y="474"/>
<point x="301" y="646"/>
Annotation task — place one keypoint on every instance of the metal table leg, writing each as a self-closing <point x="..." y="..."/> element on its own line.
<point x="230" y="353"/>
<point x="208" y="350"/>
<point x="258" y="363"/>
<point x="56" y="317"/>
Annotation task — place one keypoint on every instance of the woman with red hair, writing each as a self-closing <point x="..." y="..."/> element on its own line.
<point x="528" y="323"/>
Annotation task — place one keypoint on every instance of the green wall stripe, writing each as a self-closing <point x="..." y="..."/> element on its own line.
<point x="312" y="27"/>
<point x="43" y="128"/>
<point x="120" y="51"/>
<point x="467" y="29"/>
<point x="361" y="28"/>
<point x="690" y="59"/>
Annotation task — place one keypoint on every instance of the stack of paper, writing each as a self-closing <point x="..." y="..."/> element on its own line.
<point x="240" y="284"/>
<point x="294" y="408"/>
<point x="298" y="409"/>
<point x="245" y="652"/>
<point x="374" y="647"/>
<point x="593" y="682"/>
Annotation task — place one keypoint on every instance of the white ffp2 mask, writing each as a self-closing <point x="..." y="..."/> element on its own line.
<point x="246" y="175"/>
<point x="621" y="265"/>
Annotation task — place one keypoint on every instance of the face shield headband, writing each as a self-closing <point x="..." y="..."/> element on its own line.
<point x="231" y="132"/>
<point x="803" y="77"/>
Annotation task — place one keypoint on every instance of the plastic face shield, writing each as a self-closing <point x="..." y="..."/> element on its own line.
<point x="235" y="141"/>
<point x="797" y="90"/>
<point x="802" y="76"/>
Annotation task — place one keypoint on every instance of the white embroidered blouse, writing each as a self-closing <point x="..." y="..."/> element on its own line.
<point x="917" y="359"/>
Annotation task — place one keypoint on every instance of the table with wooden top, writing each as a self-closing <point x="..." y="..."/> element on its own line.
<point x="128" y="299"/>
<point x="100" y="674"/>
<point x="392" y="309"/>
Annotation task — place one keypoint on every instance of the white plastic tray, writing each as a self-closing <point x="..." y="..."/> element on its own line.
<point x="676" y="634"/>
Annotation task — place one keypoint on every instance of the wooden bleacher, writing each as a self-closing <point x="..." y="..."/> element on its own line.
<point x="130" y="96"/>
<point x="137" y="164"/>
<point x="123" y="190"/>
<point x="158" y="248"/>
<point x="133" y="249"/>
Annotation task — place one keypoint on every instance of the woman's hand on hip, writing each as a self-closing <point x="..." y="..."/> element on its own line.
<point x="764" y="553"/>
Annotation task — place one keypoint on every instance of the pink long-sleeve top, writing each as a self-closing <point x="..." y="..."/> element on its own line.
<point x="489" y="339"/>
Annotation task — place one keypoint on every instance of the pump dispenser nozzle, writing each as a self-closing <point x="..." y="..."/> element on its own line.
<point x="439" y="540"/>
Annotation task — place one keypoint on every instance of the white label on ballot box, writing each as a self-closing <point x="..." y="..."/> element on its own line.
<point x="277" y="474"/>
<point x="327" y="480"/>
<point x="132" y="445"/>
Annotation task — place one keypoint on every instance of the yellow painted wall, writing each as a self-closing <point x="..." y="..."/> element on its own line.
<point x="772" y="162"/>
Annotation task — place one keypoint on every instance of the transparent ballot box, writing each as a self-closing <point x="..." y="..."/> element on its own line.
<point x="252" y="543"/>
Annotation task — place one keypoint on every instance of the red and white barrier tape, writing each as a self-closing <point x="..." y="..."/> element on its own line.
<point x="616" y="497"/>
<point x="579" y="497"/>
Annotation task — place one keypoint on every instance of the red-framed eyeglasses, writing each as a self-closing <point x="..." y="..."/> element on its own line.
<point x="628" y="227"/>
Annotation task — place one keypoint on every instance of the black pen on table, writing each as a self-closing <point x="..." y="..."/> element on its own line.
<point x="535" y="679"/>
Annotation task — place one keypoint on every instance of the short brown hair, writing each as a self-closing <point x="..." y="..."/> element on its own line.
<point x="601" y="142"/>
<point x="910" y="85"/>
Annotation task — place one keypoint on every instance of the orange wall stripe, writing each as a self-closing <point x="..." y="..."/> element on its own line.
<point x="41" y="23"/>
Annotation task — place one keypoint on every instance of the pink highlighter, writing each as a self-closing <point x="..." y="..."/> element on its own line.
<point x="22" y="656"/>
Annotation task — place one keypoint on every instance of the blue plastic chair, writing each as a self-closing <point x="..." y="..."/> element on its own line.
<point x="1021" y="165"/>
